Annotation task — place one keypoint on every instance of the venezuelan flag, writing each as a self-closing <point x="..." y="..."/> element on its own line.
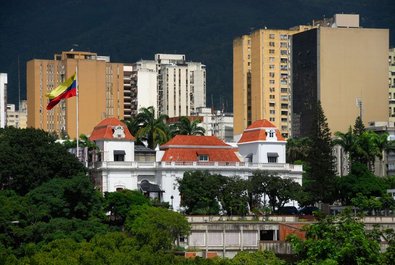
<point x="65" y="90"/>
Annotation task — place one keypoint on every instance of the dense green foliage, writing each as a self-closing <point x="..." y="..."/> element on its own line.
<point x="199" y="192"/>
<point x="118" y="204"/>
<point x="205" y="193"/>
<point x="360" y="180"/>
<point x="30" y="157"/>
<point x="156" y="228"/>
<point x="338" y="240"/>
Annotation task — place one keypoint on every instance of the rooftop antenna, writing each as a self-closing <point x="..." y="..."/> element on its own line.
<point x="19" y="86"/>
<point x="212" y="103"/>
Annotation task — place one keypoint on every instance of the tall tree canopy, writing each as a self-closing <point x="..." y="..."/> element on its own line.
<point x="157" y="228"/>
<point x="337" y="240"/>
<point x="320" y="178"/>
<point x="200" y="191"/>
<point x="30" y="157"/>
<point x="145" y="127"/>
<point x="187" y="127"/>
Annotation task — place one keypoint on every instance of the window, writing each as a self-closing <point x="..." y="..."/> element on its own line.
<point x="271" y="66"/>
<point x="272" y="111"/>
<point x="283" y="36"/>
<point x="272" y="119"/>
<point x="119" y="155"/>
<point x="283" y="44"/>
<point x="284" y="90"/>
<point x="271" y="36"/>
<point x="271" y="59"/>
<point x="271" y="51"/>
<point x="271" y="96"/>
<point x="203" y="158"/>
<point x="284" y="60"/>
<point x="271" y="74"/>
<point x="284" y="106"/>
<point x="271" y="44"/>
<point x="271" y="82"/>
<point x="283" y="52"/>
<point x="272" y="104"/>
<point x="272" y="157"/>
<point x="272" y="89"/>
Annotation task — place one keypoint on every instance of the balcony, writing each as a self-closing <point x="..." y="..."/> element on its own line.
<point x="237" y="166"/>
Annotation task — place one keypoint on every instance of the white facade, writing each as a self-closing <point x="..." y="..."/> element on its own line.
<point x="140" y="87"/>
<point x="3" y="100"/>
<point x="111" y="175"/>
<point x="217" y="123"/>
<point x="172" y="85"/>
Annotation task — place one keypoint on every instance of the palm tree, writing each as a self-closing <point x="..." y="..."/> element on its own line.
<point x="366" y="148"/>
<point x="132" y="125"/>
<point x="383" y="145"/>
<point x="297" y="149"/>
<point x="185" y="127"/>
<point x="347" y="141"/>
<point x="151" y="129"/>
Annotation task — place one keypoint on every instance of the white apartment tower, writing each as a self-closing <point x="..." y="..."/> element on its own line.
<point x="172" y="85"/>
<point x="3" y="99"/>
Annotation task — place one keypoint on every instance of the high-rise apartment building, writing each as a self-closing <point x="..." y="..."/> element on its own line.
<point x="262" y="77"/>
<point x="345" y="67"/>
<point x="100" y="90"/>
<point x="391" y="84"/>
<point x="141" y="86"/>
<point x="172" y="85"/>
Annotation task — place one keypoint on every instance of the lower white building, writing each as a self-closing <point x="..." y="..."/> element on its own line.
<point x="3" y="100"/>
<point x="121" y="165"/>
<point x="216" y="122"/>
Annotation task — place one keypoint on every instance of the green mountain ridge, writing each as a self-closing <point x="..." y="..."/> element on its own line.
<point x="129" y="30"/>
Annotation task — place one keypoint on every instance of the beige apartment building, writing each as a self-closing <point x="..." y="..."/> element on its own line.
<point x="345" y="67"/>
<point x="262" y="77"/>
<point x="100" y="89"/>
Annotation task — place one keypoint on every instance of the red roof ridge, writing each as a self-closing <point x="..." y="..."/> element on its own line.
<point x="256" y="132"/>
<point x="103" y="130"/>
<point x="195" y="141"/>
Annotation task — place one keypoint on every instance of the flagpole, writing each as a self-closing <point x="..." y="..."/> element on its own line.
<point x="77" y="96"/>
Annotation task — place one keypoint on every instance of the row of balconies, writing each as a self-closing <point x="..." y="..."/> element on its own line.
<point x="179" y="164"/>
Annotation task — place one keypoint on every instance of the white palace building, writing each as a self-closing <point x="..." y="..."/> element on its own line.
<point x="123" y="165"/>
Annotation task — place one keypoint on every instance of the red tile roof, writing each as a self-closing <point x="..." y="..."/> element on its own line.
<point x="192" y="154"/>
<point x="104" y="130"/>
<point x="257" y="132"/>
<point x="188" y="148"/>
<point x="192" y="140"/>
